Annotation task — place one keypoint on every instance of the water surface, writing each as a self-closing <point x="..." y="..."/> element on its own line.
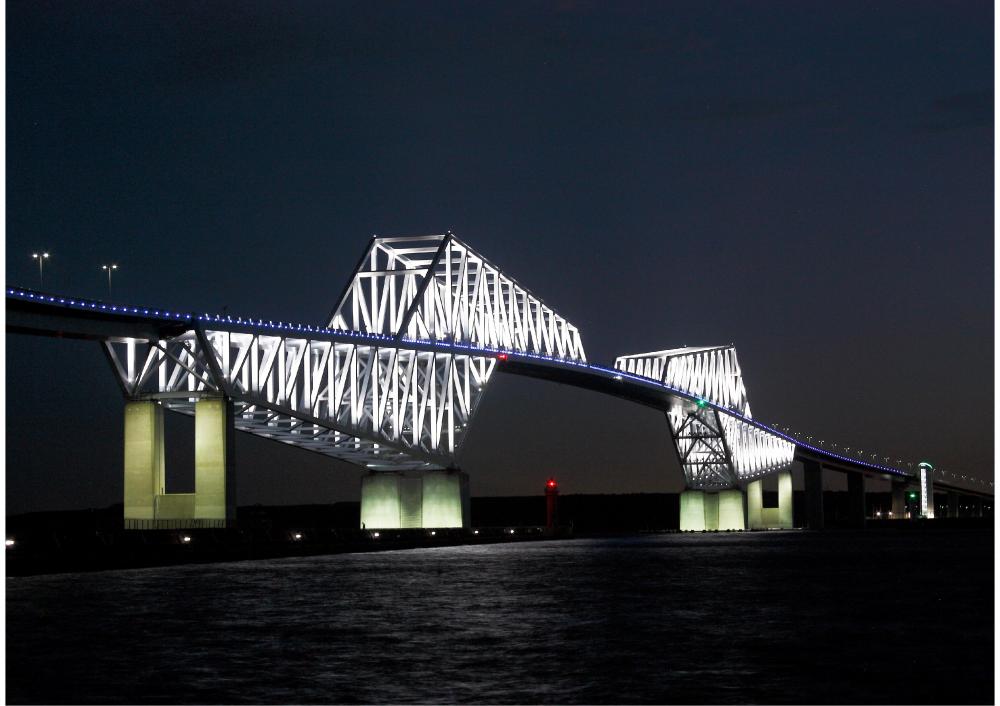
<point x="793" y="617"/>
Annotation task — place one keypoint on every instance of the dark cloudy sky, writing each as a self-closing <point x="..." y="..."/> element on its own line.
<point x="810" y="181"/>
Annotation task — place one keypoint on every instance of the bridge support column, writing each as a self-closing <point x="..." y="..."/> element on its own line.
<point x="813" y="477"/>
<point x="144" y="460"/>
<point x="147" y="504"/>
<point x="415" y="500"/>
<point x="785" y="500"/>
<point x="856" y="499"/>
<point x="711" y="512"/>
<point x="731" y="515"/>
<point x="214" y="474"/>
<point x="693" y="511"/>
<point x="760" y="517"/>
<point x="705" y="511"/>
<point x="952" y="504"/>
<point x="899" y="501"/>
<point x="755" y="505"/>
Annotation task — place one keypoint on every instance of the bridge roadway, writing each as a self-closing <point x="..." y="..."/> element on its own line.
<point x="38" y="313"/>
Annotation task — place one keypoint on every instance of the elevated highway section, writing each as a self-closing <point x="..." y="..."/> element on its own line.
<point x="392" y="382"/>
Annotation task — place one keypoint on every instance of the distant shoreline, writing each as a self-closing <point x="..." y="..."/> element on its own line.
<point x="47" y="546"/>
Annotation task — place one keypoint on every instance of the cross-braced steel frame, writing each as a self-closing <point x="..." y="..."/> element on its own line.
<point x="437" y="288"/>
<point x="377" y="405"/>
<point x="716" y="450"/>
<point x="394" y="380"/>
<point x="373" y="388"/>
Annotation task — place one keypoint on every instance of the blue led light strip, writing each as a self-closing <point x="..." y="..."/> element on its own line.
<point x="90" y="305"/>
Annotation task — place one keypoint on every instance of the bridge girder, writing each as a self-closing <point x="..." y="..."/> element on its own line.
<point x="425" y="317"/>
<point x="377" y="404"/>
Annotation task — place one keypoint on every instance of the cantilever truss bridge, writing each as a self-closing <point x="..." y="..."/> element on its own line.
<point x="392" y="380"/>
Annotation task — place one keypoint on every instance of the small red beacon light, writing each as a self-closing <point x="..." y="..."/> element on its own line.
<point x="551" y="504"/>
<point x="501" y="356"/>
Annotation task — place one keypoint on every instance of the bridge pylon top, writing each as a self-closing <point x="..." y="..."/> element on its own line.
<point x="437" y="288"/>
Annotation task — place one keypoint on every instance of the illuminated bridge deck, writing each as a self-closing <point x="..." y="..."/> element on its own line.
<point x="40" y="313"/>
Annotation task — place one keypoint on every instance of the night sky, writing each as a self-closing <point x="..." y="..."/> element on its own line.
<point x="812" y="182"/>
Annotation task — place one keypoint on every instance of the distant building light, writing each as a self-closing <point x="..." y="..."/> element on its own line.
<point x="433" y="533"/>
<point x="475" y="531"/>
<point x="9" y="543"/>
<point x="186" y="539"/>
<point x="375" y="535"/>
<point x="297" y="536"/>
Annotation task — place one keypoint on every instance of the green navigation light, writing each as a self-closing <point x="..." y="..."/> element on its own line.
<point x="702" y="403"/>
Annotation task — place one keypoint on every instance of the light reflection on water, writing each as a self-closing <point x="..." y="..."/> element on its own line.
<point x="775" y="617"/>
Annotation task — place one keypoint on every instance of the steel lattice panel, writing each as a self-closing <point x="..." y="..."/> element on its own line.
<point x="437" y="288"/>
<point x="717" y="449"/>
<point x="382" y="406"/>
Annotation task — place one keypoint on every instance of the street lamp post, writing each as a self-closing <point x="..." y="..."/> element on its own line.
<point x="41" y="257"/>
<point x="109" y="268"/>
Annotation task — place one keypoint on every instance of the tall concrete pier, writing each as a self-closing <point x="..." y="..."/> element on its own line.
<point x="701" y="511"/>
<point x="147" y="504"/>
<point x="760" y="517"/>
<point x="415" y="499"/>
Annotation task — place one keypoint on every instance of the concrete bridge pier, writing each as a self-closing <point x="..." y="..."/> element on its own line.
<point x="702" y="510"/>
<point x="760" y="517"/>
<point x="147" y="504"/>
<point x="813" y="477"/>
<point x="415" y="500"/>
<point x="953" y="501"/>
<point x="898" y="500"/>
<point x="856" y="499"/>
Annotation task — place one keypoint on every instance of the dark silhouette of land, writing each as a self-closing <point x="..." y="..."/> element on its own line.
<point x="88" y="540"/>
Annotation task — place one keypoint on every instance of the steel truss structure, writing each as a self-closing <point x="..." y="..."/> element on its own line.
<point x="437" y="288"/>
<point x="394" y="380"/>
<point x="383" y="407"/>
<point x="360" y="390"/>
<point x="712" y="373"/>
<point x="716" y="450"/>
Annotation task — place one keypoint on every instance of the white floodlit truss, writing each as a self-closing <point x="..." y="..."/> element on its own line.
<point x="717" y="449"/>
<point x="374" y="404"/>
<point x="374" y="388"/>
<point x="437" y="288"/>
<point x="710" y="373"/>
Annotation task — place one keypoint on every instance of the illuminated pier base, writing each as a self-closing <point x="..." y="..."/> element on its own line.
<point x="760" y="517"/>
<point x="414" y="500"/>
<point x="731" y="514"/>
<point x="693" y="511"/>
<point x="147" y="504"/>
<point x="702" y="511"/>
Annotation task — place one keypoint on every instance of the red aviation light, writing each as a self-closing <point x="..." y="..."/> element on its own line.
<point x="551" y="483"/>
<point x="501" y="356"/>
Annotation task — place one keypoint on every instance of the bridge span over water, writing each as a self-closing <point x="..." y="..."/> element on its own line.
<point x="391" y="382"/>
